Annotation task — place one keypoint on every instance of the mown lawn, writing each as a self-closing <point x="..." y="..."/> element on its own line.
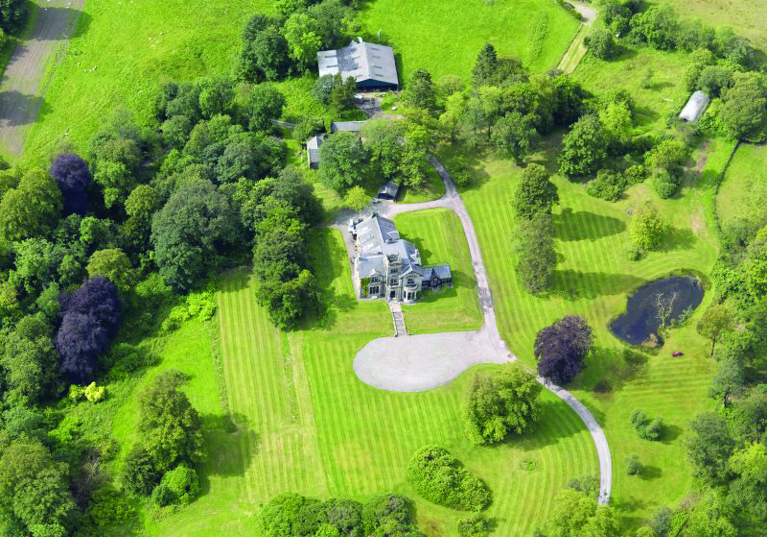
<point x="665" y="96"/>
<point x="593" y="279"/>
<point x="744" y="189"/>
<point x="445" y="36"/>
<point x="307" y="424"/>
<point x="439" y="236"/>
<point x="432" y="189"/>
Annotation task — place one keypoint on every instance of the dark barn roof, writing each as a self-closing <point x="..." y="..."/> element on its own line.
<point x="389" y="191"/>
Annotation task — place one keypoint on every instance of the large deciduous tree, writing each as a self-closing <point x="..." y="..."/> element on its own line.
<point x="170" y="425"/>
<point x="188" y="230"/>
<point x="34" y="491"/>
<point x="32" y="208"/>
<point x="562" y="348"/>
<point x="716" y="321"/>
<point x="647" y="227"/>
<point x="536" y="254"/>
<point x="497" y="406"/>
<point x="344" y="161"/>
<point x="584" y="148"/>
<point x="73" y="177"/>
<point x="29" y="359"/>
<point x="709" y="448"/>
<point x="535" y="193"/>
<point x="13" y="15"/>
<point x="744" y="111"/>
<point x="91" y="317"/>
<point x="514" y="135"/>
<point x="114" y="265"/>
<point x="264" y="104"/>
<point x="420" y="90"/>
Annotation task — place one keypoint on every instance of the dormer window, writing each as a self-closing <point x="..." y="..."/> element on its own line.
<point x="374" y="279"/>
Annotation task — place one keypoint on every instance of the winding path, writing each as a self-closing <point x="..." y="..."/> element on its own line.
<point x="423" y="362"/>
<point x="20" y="90"/>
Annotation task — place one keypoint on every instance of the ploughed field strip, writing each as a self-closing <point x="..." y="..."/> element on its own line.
<point x="426" y="361"/>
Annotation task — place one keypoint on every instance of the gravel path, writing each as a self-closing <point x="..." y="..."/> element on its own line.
<point x="20" y="91"/>
<point x="577" y="50"/>
<point x="426" y="361"/>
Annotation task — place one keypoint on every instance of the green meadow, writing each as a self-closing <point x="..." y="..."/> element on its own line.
<point x="743" y="189"/>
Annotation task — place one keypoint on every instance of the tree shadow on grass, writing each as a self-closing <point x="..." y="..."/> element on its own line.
<point x="583" y="225"/>
<point x="670" y="433"/>
<point x="17" y="109"/>
<point x="678" y="239"/>
<point x="648" y="473"/>
<point x="574" y="285"/>
<point x="544" y="435"/>
<point x="231" y="446"/>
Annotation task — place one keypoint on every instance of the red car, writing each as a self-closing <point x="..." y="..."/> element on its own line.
<point x="676" y="354"/>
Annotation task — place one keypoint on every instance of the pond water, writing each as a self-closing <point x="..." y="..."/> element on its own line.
<point x="658" y="302"/>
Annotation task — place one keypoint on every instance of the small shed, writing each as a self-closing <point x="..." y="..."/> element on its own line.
<point x="389" y="191"/>
<point x="695" y="107"/>
<point x="313" y="150"/>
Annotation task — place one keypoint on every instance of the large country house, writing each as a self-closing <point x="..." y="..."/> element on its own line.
<point x="387" y="266"/>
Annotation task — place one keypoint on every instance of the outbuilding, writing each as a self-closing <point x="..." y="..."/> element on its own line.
<point x="313" y="150"/>
<point x="371" y="65"/>
<point x="389" y="191"/>
<point x="695" y="107"/>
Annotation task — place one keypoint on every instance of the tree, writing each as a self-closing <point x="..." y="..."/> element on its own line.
<point x="344" y="161"/>
<point x="711" y="517"/>
<point x="389" y="516"/>
<point x="289" y="300"/>
<point x="658" y="26"/>
<point x="179" y="486"/>
<point x="536" y="252"/>
<point x="569" y="97"/>
<point x="647" y="228"/>
<point x="744" y="109"/>
<point x="728" y="380"/>
<point x="439" y="477"/>
<point x="31" y="209"/>
<point x="34" y="491"/>
<point x="514" y="136"/>
<point x="91" y="317"/>
<point x="139" y="473"/>
<point x="535" y="193"/>
<point x="265" y="56"/>
<point x="324" y="86"/>
<point x="572" y="510"/>
<point x="114" y="265"/>
<point x="13" y="15"/>
<point x="188" y="229"/>
<point x="264" y="104"/>
<point x="562" y="348"/>
<point x="495" y="407"/>
<point x="170" y="425"/>
<point x="750" y="415"/>
<point x="717" y="320"/>
<point x="477" y="525"/>
<point x="485" y="66"/>
<point x="601" y="43"/>
<point x="633" y="466"/>
<point x="342" y="95"/>
<point x="356" y="198"/>
<point x="29" y="359"/>
<point x="217" y="97"/>
<point x="584" y="148"/>
<point x="618" y="124"/>
<point x="302" y="35"/>
<point x="709" y="448"/>
<point x="385" y="140"/>
<point x="73" y="178"/>
<point x="420" y="90"/>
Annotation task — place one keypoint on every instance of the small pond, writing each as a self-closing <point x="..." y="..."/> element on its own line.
<point x="659" y="302"/>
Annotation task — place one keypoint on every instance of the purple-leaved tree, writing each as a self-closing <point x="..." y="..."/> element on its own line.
<point x="562" y="347"/>
<point x="73" y="177"/>
<point x="91" y="317"/>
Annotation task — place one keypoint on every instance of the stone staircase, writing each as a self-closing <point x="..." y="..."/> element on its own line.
<point x="399" y="319"/>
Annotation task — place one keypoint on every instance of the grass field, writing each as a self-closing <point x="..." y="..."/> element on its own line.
<point x="446" y="36"/>
<point x="439" y="236"/>
<point x="593" y="278"/>
<point x="744" y="188"/>
<point x="747" y="17"/>
<point x="665" y="96"/>
<point x="305" y="423"/>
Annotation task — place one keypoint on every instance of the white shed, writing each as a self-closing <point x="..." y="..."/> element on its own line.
<point x="695" y="107"/>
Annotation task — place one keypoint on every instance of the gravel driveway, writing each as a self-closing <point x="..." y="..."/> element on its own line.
<point x="20" y="91"/>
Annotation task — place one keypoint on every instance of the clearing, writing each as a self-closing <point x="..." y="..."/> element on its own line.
<point x="744" y="188"/>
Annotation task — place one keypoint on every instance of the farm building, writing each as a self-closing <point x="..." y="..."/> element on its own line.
<point x="313" y="144"/>
<point x="371" y="65"/>
<point x="695" y="107"/>
<point x="346" y="126"/>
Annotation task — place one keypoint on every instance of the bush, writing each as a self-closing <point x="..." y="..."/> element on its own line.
<point x="667" y="184"/>
<point x="475" y="526"/>
<point x="646" y="429"/>
<point x="439" y="477"/>
<point x="608" y="185"/>
<point x="179" y="486"/>
<point x="139" y="474"/>
<point x="633" y="466"/>
<point x="601" y="43"/>
<point x="634" y="252"/>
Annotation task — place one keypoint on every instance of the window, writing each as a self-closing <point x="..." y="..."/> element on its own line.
<point x="394" y="271"/>
<point x="374" y="279"/>
<point x="410" y="281"/>
<point x="393" y="281"/>
<point x="374" y="290"/>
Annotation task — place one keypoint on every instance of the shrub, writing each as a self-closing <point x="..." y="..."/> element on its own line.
<point x="139" y="474"/>
<point x="634" y="252"/>
<point x="633" y="466"/>
<point x="587" y="484"/>
<point x="646" y="429"/>
<point x="608" y="185"/>
<point x="667" y="183"/>
<point x="647" y="228"/>
<point x="475" y="526"/>
<point x="179" y="486"/>
<point x="109" y="507"/>
<point x="439" y="477"/>
<point x="601" y="43"/>
<point x="634" y="174"/>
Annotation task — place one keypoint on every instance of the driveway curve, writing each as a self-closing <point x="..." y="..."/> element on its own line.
<point x="424" y="362"/>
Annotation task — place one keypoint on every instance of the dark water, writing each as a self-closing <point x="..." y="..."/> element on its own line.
<point x="641" y="318"/>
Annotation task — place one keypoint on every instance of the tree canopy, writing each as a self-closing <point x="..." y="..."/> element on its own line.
<point x="562" y="348"/>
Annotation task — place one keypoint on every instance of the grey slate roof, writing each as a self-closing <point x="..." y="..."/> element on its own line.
<point x="313" y="148"/>
<point x="442" y="272"/>
<point x="378" y="237"/>
<point x="389" y="191"/>
<point x="695" y="107"/>
<point x="362" y="61"/>
<point x="346" y="126"/>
